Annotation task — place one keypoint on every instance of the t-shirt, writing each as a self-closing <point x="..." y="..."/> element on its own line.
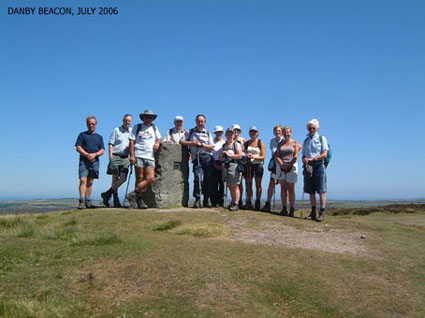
<point x="218" y="148"/>
<point x="91" y="143"/>
<point x="203" y="136"/>
<point x="119" y="140"/>
<point x="175" y="135"/>
<point x="144" y="141"/>
<point x="273" y="144"/>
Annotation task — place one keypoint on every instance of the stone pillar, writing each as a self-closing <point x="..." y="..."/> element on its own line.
<point x="171" y="186"/>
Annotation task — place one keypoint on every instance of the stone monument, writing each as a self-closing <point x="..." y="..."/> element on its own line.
<point x="171" y="186"/>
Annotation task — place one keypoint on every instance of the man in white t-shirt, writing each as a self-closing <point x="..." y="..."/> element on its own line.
<point x="145" y="139"/>
<point x="177" y="133"/>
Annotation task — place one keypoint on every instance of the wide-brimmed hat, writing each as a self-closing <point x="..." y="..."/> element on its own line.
<point x="236" y="126"/>
<point x="148" y="112"/>
<point x="218" y="128"/>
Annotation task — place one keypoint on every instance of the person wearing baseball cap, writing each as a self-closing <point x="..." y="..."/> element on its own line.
<point x="177" y="133"/>
<point x="241" y="140"/>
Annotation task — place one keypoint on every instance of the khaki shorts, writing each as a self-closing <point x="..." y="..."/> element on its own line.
<point x="117" y="165"/>
<point x="291" y="176"/>
<point x="233" y="176"/>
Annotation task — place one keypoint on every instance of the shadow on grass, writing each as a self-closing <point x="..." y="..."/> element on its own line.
<point x="100" y="240"/>
<point x="165" y="226"/>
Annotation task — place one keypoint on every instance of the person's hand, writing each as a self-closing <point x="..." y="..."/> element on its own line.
<point x="305" y="161"/>
<point x="156" y="146"/>
<point x="132" y="160"/>
<point x="249" y="156"/>
<point x="91" y="157"/>
<point x="196" y="143"/>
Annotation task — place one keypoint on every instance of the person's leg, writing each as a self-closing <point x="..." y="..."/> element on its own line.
<point x="259" y="189"/>
<point x="196" y="188"/>
<point x="221" y="190"/>
<point x="291" y="194"/>
<point x="267" y="206"/>
<point x="283" y="197"/>
<point x="139" y="172"/>
<point x="322" y="200"/>
<point x="82" y="187"/>
<point x="89" y="187"/>
<point x="248" y="186"/>
<point x="214" y="186"/>
<point x="148" y="178"/>
<point x="207" y="168"/>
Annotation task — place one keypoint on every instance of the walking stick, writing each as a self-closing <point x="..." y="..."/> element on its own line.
<point x="128" y="182"/>
<point x="302" y="206"/>
<point x="199" y="172"/>
<point x="224" y="176"/>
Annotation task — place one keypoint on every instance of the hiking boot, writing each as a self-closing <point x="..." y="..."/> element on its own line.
<point x="132" y="199"/>
<point x="312" y="216"/>
<point x="266" y="207"/>
<point x="257" y="205"/>
<point x="106" y="196"/>
<point x="291" y="212"/>
<point x="321" y="216"/>
<point x="141" y="204"/>
<point x="117" y="203"/>
<point x="284" y="211"/>
<point x="206" y="204"/>
<point x="197" y="204"/>
<point x="81" y="204"/>
<point x="89" y="205"/>
<point x="248" y="205"/>
<point x="234" y="207"/>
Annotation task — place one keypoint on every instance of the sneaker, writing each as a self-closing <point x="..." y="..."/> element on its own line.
<point x="312" y="216"/>
<point x="105" y="196"/>
<point x="266" y="207"/>
<point x="132" y="198"/>
<point x="197" y="204"/>
<point x="234" y="207"/>
<point x="141" y="204"/>
<point x="248" y="205"/>
<point x="321" y="216"/>
<point x="257" y="205"/>
<point x="81" y="204"/>
<point x="88" y="204"/>
<point x="284" y="211"/>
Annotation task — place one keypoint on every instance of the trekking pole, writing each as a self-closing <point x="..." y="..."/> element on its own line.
<point x="198" y="170"/>
<point x="302" y="206"/>
<point x="128" y="182"/>
<point x="224" y="176"/>
<point x="274" y="195"/>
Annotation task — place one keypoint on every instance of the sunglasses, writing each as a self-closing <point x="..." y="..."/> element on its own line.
<point x="311" y="128"/>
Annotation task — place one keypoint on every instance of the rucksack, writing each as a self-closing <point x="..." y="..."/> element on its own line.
<point x="192" y="130"/>
<point x="139" y="128"/>
<point x="328" y="157"/>
<point x="247" y="143"/>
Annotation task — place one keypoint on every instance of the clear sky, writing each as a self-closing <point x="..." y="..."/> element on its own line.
<point x="356" y="65"/>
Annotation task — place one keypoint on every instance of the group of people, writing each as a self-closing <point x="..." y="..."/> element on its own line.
<point x="219" y="163"/>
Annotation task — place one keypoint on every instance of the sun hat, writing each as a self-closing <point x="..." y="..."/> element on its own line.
<point x="229" y="130"/>
<point x="218" y="128"/>
<point x="178" y="118"/>
<point x="236" y="126"/>
<point x="148" y="112"/>
<point x="253" y="128"/>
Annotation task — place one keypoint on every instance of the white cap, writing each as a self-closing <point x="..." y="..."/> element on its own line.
<point x="218" y="128"/>
<point x="253" y="128"/>
<point x="178" y="118"/>
<point x="236" y="126"/>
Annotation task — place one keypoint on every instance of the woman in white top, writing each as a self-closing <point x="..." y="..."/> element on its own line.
<point x="277" y="131"/>
<point x="255" y="151"/>
<point x="232" y="152"/>
<point x="217" y="191"/>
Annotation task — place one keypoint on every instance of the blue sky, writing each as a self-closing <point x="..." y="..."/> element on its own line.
<point x="358" y="66"/>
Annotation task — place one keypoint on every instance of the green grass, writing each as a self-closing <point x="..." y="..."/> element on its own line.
<point x="115" y="263"/>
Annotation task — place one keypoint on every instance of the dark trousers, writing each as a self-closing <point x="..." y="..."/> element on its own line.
<point x="217" y="185"/>
<point x="207" y="166"/>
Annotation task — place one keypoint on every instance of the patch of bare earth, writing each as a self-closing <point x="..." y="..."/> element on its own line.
<point x="321" y="237"/>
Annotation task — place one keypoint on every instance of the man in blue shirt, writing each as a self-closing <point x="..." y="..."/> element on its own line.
<point x="314" y="151"/>
<point x="90" y="146"/>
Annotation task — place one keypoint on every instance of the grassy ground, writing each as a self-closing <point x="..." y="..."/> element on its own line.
<point x="131" y="263"/>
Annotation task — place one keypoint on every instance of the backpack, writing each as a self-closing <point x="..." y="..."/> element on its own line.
<point x="192" y="130"/>
<point x="139" y="127"/>
<point x="328" y="157"/>
<point x="247" y="143"/>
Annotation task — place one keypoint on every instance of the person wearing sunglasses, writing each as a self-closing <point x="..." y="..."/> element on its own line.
<point x="314" y="153"/>
<point x="241" y="140"/>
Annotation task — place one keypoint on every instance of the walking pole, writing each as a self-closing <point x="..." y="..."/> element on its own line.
<point x="128" y="182"/>
<point x="224" y="176"/>
<point x="302" y="206"/>
<point x="274" y="194"/>
<point x="199" y="169"/>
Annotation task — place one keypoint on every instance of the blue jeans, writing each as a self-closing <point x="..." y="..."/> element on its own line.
<point x="206" y="166"/>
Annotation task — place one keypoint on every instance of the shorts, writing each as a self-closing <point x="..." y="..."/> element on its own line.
<point x="117" y="165"/>
<point x="88" y="169"/>
<point x="316" y="183"/>
<point x="145" y="163"/>
<point x="257" y="170"/>
<point x="291" y="176"/>
<point x="233" y="176"/>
